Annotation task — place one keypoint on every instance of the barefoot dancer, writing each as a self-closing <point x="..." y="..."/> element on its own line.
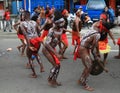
<point x="76" y="29"/>
<point x="20" y="35"/>
<point x="64" y="36"/>
<point x="29" y="29"/>
<point x="53" y="39"/>
<point x="88" y="44"/>
<point x="104" y="29"/>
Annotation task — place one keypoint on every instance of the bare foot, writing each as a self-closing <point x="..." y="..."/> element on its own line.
<point x="52" y="83"/>
<point x="42" y="70"/>
<point x="88" y="88"/>
<point x="58" y="83"/>
<point x="64" y="57"/>
<point x="106" y="70"/>
<point x="79" y="82"/>
<point x="18" y="48"/>
<point x="27" y="66"/>
<point x="33" y="76"/>
<point x="22" y="54"/>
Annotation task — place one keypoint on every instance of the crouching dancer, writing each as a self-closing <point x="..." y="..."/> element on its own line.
<point x="53" y="39"/>
<point x="29" y="29"/>
<point x="88" y="44"/>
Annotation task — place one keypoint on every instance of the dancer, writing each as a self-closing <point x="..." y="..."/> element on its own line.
<point x="104" y="29"/>
<point x="76" y="29"/>
<point x="29" y="29"/>
<point x="20" y="35"/>
<point x="87" y="46"/>
<point x="64" y="36"/>
<point x="48" y="24"/>
<point x="53" y="39"/>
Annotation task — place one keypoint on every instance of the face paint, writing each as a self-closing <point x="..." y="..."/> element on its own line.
<point x="60" y="23"/>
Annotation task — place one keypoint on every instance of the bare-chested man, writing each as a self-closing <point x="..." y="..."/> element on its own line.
<point x="76" y="30"/>
<point x="48" y="24"/>
<point x="53" y="39"/>
<point x="29" y="29"/>
<point x="88" y="44"/>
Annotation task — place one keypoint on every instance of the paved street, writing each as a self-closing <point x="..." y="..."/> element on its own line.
<point x="14" y="77"/>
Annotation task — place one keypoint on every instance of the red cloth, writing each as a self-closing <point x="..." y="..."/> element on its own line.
<point x="44" y="34"/>
<point x="7" y="15"/>
<point x="64" y="39"/>
<point x="102" y="45"/>
<point x="64" y="11"/>
<point x="103" y="28"/>
<point x="76" y="54"/>
<point x="36" y="42"/>
<point x="103" y="16"/>
<point x="76" y="38"/>
<point x="56" y="59"/>
<point x="118" y="42"/>
<point x="21" y="36"/>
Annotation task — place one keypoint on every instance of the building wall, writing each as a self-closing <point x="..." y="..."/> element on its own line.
<point x="67" y="3"/>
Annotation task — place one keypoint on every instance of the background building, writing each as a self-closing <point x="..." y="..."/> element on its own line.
<point x="15" y="5"/>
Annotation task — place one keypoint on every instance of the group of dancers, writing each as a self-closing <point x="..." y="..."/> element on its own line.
<point x="53" y="33"/>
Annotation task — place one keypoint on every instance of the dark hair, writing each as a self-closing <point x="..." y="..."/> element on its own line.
<point x="26" y="14"/>
<point x="34" y="8"/>
<point x="47" y="12"/>
<point x="7" y="7"/>
<point x="57" y="15"/>
<point x="34" y="18"/>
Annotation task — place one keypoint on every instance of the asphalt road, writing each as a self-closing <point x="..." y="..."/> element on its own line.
<point x="15" y="78"/>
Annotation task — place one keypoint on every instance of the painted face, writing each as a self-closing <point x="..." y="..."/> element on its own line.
<point x="60" y="23"/>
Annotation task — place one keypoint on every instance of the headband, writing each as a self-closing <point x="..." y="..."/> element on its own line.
<point x="64" y="12"/>
<point x="60" y="20"/>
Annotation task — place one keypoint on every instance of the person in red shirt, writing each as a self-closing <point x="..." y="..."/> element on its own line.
<point x="7" y="18"/>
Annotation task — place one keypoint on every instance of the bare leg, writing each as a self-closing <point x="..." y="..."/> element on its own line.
<point x="33" y="75"/>
<point x="54" y="70"/>
<point x="23" y="48"/>
<point x="105" y="58"/>
<point x="62" y="51"/>
<point x="40" y="63"/>
<point x="87" y="62"/>
<point x="29" y="55"/>
<point x="19" y="47"/>
<point x="52" y="79"/>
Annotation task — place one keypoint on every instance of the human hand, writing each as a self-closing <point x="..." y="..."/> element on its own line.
<point x="32" y="48"/>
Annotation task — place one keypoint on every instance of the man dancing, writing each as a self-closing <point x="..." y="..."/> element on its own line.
<point x="88" y="44"/>
<point x="76" y="30"/>
<point x="64" y="36"/>
<point x="52" y="40"/>
<point x="29" y="29"/>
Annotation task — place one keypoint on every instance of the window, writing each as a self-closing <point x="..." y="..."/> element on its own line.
<point x="96" y="4"/>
